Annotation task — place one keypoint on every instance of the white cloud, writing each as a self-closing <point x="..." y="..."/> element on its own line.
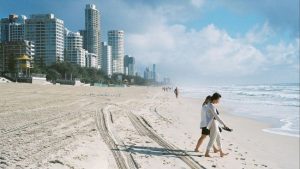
<point x="277" y="13"/>
<point x="284" y="53"/>
<point x="157" y="34"/>
<point x="209" y="51"/>
<point x="259" y="34"/>
<point x="197" y="3"/>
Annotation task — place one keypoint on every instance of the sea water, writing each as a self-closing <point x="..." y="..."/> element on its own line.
<point x="276" y="104"/>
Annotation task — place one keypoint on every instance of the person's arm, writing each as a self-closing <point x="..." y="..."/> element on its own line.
<point x="213" y="111"/>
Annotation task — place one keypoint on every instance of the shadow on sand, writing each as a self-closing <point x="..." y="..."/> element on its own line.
<point x="155" y="151"/>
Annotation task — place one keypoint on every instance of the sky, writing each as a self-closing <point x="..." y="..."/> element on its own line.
<point x="194" y="41"/>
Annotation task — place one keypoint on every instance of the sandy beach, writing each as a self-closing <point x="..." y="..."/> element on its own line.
<point x="67" y="127"/>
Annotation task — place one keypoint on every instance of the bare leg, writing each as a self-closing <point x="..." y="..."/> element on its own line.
<point x="215" y="149"/>
<point x="200" y="141"/>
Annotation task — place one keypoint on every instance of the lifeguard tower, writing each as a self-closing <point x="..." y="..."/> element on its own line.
<point x="24" y="65"/>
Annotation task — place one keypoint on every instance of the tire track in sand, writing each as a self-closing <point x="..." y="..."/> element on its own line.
<point x="39" y="122"/>
<point x="143" y="127"/>
<point x="102" y="124"/>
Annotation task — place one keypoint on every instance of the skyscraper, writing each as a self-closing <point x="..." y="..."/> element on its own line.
<point x="154" y="72"/>
<point x="106" y="59"/>
<point x="74" y="52"/>
<point x="83" y="34"/>
<point x="47" y="33"/>
<point x="129" y="67"/>
<point x="147" y="74"/>
<point x="12" y="28"/>
<point x="116" y="41"/>
<point x="92" y="32"/>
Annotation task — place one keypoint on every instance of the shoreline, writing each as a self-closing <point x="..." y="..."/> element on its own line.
<point x="249" y="134"/>
<point x="271" y="125"/>
<point x="60" y="127"/>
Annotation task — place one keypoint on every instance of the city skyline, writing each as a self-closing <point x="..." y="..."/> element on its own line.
<point x="258" y="44"/>
<point x="56" y="43"/>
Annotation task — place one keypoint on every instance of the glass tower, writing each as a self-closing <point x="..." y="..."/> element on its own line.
<point x="92" y="32"/>
<point x="116" y="41"/>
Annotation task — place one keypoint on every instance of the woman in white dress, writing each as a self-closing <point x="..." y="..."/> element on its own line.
<point x="213" y="125"/>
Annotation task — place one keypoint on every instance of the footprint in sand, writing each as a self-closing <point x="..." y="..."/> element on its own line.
<point x="264" y="165"/>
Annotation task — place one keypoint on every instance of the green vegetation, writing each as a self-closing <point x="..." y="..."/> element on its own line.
<point x="69" y="72"/>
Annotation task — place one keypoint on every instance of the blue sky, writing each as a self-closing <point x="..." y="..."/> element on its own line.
<point x="194" y="41"/>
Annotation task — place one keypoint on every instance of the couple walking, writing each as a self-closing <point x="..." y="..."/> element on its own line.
<point x="210" y="122"/>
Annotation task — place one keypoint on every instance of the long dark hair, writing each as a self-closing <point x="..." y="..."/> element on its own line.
<point x="207" y="100"/>
<point x="215" y="96"/>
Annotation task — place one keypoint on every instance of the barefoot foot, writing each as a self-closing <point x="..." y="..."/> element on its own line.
<point x="216" y="151"/>
<point x="223" y="154"/>
<point x="207" y="155"/>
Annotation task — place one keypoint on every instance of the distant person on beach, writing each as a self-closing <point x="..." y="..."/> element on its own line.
<point x="176" y="92"/>
<point x="213" y="125"/>
<point x="203" y="124"/>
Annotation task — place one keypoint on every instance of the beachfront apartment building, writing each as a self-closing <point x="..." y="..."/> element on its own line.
<point x="47" y="33"/>
<point x="90" y="60"/>
<point x="116" y="41"/>
<point x="106" y="59"/>
<point x="10" y="51"/>
<point x="12" y="28"/>
<point x="74" y="52"/>
<point x="129" y="65"/>
<point x="83" y="34"/>
<point x="91" y="34"/>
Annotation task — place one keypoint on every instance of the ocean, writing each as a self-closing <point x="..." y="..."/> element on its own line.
<point x="276" y="104"/>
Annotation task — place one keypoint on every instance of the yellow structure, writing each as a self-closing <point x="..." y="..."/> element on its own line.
<point x="24" y="64"/>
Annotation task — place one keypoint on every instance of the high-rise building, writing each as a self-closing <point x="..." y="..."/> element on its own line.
<point x="129" y="67"/>
<point x="150" y="74"/>
<point x="10" y="51"/>
<point x="147" y="74"/>
<point x="154" y="72"/>
<point x="12" y="28"/>
<point x="74" y="52"/>
<point x="47" y="33"/>
<point x="116" y="41"/>
<point x="90" y="60"/>
<point x="83" y="34"/>
<point x="92" y="32"/>
<point x="106" y="59"/>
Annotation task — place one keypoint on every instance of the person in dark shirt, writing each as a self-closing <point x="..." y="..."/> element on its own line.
<point x="176" y="92"/>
